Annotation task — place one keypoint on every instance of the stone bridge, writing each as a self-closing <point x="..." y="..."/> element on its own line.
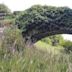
<point x="38" y="22"/>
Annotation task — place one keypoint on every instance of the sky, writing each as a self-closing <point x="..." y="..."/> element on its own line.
<point x="24" y="4"/>
<point x="16" y="5"/>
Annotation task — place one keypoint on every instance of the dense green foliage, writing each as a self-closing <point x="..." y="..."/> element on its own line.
<point x="17" y="13"/>
<point x="4" y="9"/>
<point x="37" y="15"/>
<point x="5" y="12"/>
<point x="54" y="40"/>
<point x="68" y="46"/>
<point x="38" y="22"/>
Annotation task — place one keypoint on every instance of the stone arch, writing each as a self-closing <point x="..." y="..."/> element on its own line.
<point x="38" y="22"/>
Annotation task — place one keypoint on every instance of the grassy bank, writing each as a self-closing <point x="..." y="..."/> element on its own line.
<point x="15" y="57"/>
<point x="34" y="60"/>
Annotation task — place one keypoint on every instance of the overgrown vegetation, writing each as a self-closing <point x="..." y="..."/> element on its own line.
<point x="39" y="21"/>
<point x="15" y="56"/>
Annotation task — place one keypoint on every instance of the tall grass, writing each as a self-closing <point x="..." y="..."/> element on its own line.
<point x="32" y="59"/>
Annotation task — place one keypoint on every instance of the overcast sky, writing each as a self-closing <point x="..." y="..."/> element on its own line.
<point x="16" y="5"/>
<point x="23" y="4"/>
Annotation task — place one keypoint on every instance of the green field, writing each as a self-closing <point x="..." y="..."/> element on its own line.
<point x="46" y="47"/>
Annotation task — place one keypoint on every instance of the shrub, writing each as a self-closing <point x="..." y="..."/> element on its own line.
<point x="54" y="40"/>
<point x="67" y="46"/>
<point x="13" y="39"/>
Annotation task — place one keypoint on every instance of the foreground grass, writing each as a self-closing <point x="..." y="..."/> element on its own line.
<point x="34" y="60"/>
<point x="14" y="57"/>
